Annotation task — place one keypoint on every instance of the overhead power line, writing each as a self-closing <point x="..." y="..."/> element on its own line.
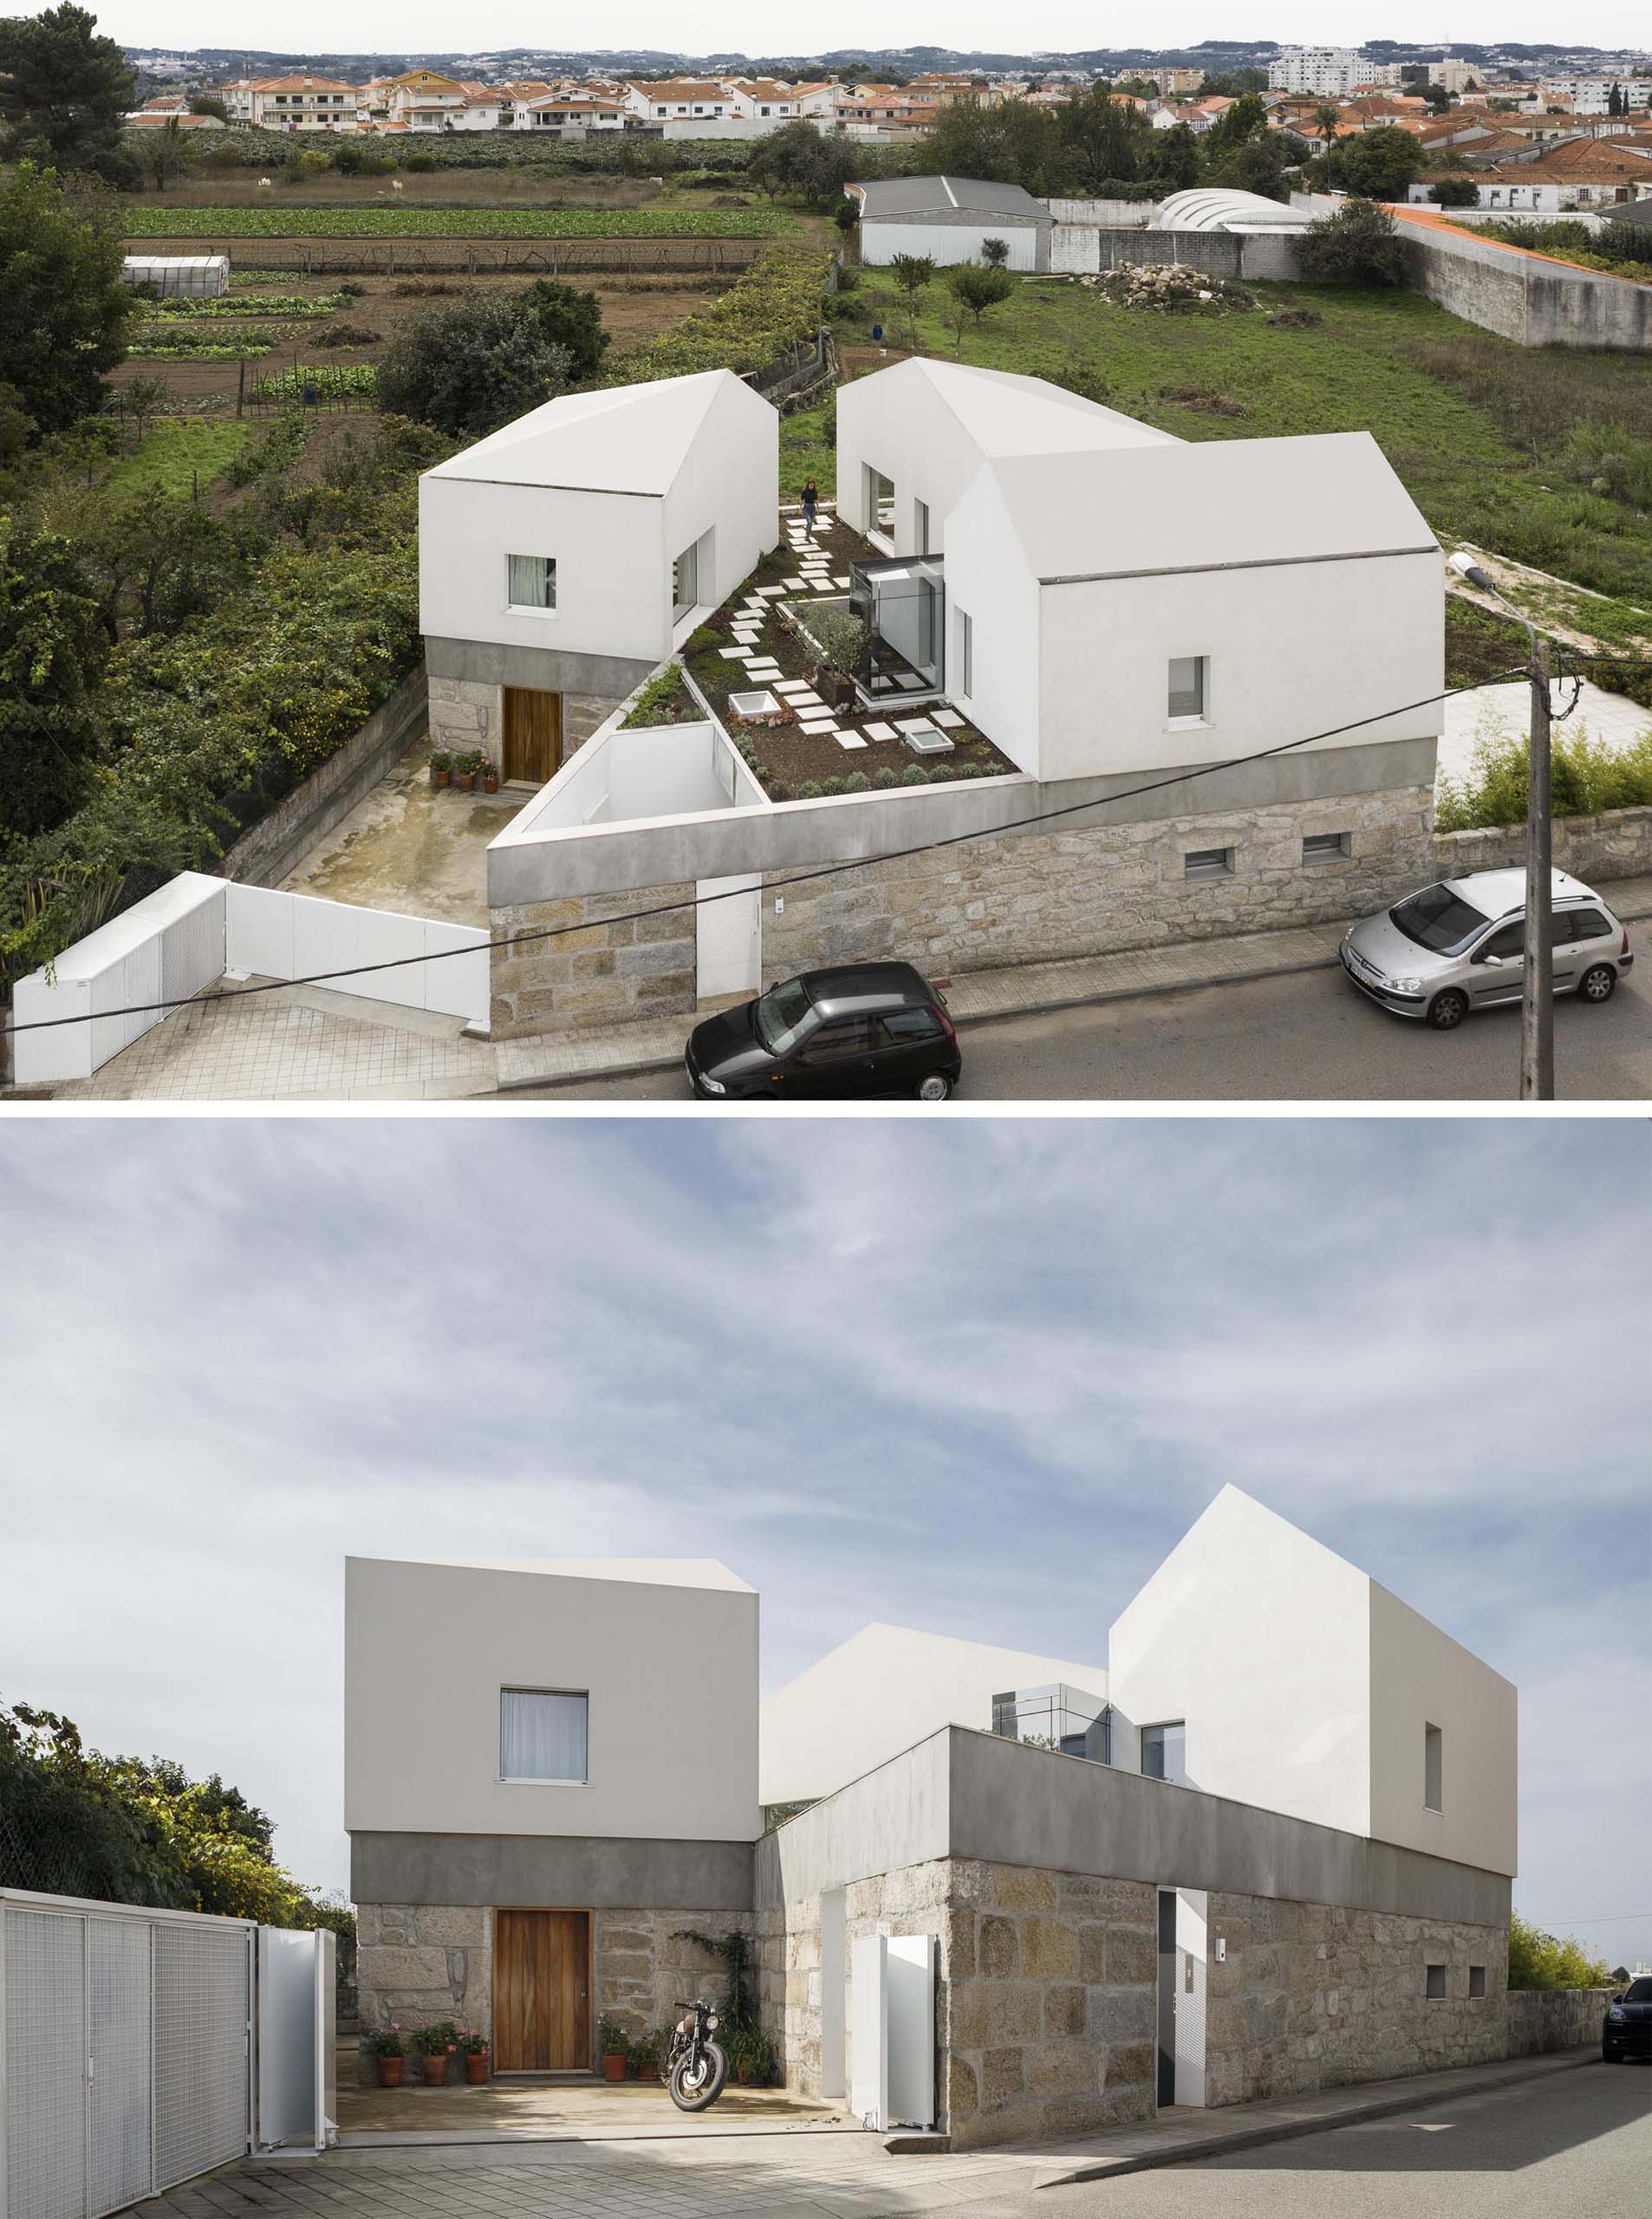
<point x="797" y="878"/>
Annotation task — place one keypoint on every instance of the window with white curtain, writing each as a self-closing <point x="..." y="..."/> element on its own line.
<point x="542" y="1736"/>
<point x="531" y="581"/>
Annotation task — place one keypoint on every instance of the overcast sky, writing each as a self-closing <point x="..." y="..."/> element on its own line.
<point x="976" y="1377"/>
<point x="752" y="26"/>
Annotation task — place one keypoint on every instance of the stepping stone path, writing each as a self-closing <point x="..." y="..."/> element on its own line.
<point x="850" y="739"/>
<point x="880" y="731"/>
<point x="949" y="719"/>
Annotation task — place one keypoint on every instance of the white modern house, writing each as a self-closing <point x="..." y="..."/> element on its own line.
<point x="561" y="558"/>
<point x="1115" y="598"/>
<point x="1095" y="597"/>
<point x="1265" y="1848"/>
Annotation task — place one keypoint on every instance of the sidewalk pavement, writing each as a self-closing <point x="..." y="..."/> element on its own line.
<point x="701" y="2173"/>
<point x="983" y="997"/>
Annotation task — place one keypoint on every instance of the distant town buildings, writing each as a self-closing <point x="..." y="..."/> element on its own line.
<point x="1333" y="69"/>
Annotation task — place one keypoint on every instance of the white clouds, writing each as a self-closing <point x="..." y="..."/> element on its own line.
<point x="1019" y="1355"/>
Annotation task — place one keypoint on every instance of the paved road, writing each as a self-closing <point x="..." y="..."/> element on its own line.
<point x="1577" y="2147"/>
<point x="1306" y="1037"/>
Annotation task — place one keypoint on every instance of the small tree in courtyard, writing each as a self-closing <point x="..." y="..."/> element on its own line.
<point x="980" y="290"/>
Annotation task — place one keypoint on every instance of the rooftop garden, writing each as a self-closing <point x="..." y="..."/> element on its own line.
<point x="806" y="636"/>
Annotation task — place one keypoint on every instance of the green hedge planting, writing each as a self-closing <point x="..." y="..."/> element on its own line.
<point x="774" y="306"/>
<point x="146" y="221"/>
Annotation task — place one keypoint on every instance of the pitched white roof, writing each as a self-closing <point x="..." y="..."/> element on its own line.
<point x="625" y="439"/>
<point x="641" y="1571"/>
<point x="1003" y="412"/>
<point x="1215" y="505"/>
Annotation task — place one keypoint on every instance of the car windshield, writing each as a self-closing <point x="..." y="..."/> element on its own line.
<point x="783" y="1015"/>
<point x="1438" y="919"/>
<point x="1638" y="1991"/>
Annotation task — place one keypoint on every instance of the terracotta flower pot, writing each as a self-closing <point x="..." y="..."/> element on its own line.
<point x="440" y="778"/>
<point x="744" y="2075"/>
<point x="434" y="2070"/>
<point x="613" y="2068"/>
<point x="464" y="780"/>
<point x="390" y="2072"/>
<point x="476" y="2069"/>
<point x="490" y="782"/>
<point x="648" y="2070"/>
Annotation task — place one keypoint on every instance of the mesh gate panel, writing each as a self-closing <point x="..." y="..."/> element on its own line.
<point x="117" y="2138"/>
<point x="45" y="2064"/>
<point x="201" y="2010"/>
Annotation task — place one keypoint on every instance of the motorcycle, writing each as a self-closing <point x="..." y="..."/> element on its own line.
<point x="696" y="2067"/>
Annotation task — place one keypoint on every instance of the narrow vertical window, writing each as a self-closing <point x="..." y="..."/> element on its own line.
<point x="1433" y="1766"/>
<point x="965" y="637"/>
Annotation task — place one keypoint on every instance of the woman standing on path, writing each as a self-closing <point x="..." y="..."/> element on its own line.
<point x="811" y="502"/>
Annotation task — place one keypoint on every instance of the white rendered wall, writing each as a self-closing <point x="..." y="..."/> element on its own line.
<point x="1422" y="1677"/>
<point x="898" y="425"/>
<point x="880" y="1691"/>
<point x="613" y="567"/>
<point x="428" y="1761"/>
<point x="729" y="485"/>
<point x="1259" y="1637"/>
<point x="986" y="577"/>
<point x="1293" y="650"/>
<point x="947" y="243"/>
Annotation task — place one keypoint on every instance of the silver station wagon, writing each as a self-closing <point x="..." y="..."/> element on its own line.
<point x="1460" y="945"/>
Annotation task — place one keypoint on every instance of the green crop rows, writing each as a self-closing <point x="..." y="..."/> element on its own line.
<point x="330" y="381"/>
<point x="144" y="221"/>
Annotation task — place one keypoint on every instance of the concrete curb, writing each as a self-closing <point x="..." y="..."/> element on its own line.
<point x="1290" y="2129"/>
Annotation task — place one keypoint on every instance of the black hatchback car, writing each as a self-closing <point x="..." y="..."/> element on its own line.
<point x="866" y="1028"/>
<point x="1626" y="2031"/>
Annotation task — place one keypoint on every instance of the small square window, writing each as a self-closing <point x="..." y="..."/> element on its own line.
<point x="1437" y="1984"/>
<point x="1208" y="863"/>
<point x="531" y="581"/>
<point x="1326" y="846"/>
<point x="1188" y="690"/>
<point x="1476" y="1980"/>
<point x="543" y="1737"/>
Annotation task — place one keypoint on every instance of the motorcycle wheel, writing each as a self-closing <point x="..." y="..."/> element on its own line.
<point x="699" y="2095"/>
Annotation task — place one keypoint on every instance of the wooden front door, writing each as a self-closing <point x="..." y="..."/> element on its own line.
<point x="542" y="1990"/>
<point x="533" y="734"/>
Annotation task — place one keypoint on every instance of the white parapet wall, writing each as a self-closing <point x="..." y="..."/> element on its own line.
<point x="186" y="936"/>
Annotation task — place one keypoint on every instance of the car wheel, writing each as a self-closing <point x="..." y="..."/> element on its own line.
<point x="935" y="1086"/>
<point x="1598" y="983"/>
<point x="1448" y="1011"/>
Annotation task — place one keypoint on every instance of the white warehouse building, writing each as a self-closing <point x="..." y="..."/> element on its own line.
<point x="949" y="220"/>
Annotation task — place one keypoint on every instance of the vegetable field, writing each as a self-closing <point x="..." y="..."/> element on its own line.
<point x="144" y="220"/>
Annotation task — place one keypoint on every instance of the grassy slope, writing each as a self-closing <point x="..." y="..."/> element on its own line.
<point x="1476" y="426"/>
<point x="178" y="455"/>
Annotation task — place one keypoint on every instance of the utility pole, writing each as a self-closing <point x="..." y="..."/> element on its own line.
<point x="1537" y="994"/>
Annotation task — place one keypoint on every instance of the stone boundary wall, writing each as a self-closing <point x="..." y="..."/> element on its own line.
<point x="418" y="1962"/>
<point x="1560" y="2018"/>
<point x="600" y="974"/>
<point x="1615" y="844"/>
<point x="1523" y="297"/>
<point x="1256" y="256"/>
<point x="1315" y="1995"/>
<point x="278" y="842"/>
<point x="1039" y="896"/>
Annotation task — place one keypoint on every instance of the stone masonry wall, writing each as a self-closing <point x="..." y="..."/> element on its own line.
<point x="418" y="1962"/>
<point x="1039" y="896"/>
<point x="1051" y="2008"/>
<point x="601" y="974"/>
<point x="467" y="713"/>
<point x="644" y="1966"/>
<point x="1312" y="1995"/>
<point x="1044" y="1992"/>
<point x="1556" y="2018"/>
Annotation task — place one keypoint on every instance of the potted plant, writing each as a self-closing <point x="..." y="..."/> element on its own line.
<point x="441" y="766"/>
<point x="474" y="2048"/>
<point x="744" y="2048"/>
<point x="613" y="2047"/>
<point x="386" y="2048"/>
<point x="489" y="776"/>
<point x="644" y="2055"/>
<point x="840" y="638"/>
<point x="465" y="773"/>
<point x="436" y="2044"/>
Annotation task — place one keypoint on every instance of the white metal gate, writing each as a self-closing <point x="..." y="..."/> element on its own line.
<point x="125" y="2064"/>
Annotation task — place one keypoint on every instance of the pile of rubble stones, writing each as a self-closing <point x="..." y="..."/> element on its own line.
<point x="1170" y="287"/>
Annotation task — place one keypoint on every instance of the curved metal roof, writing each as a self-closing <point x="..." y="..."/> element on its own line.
<point x="1212" y="208"/>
